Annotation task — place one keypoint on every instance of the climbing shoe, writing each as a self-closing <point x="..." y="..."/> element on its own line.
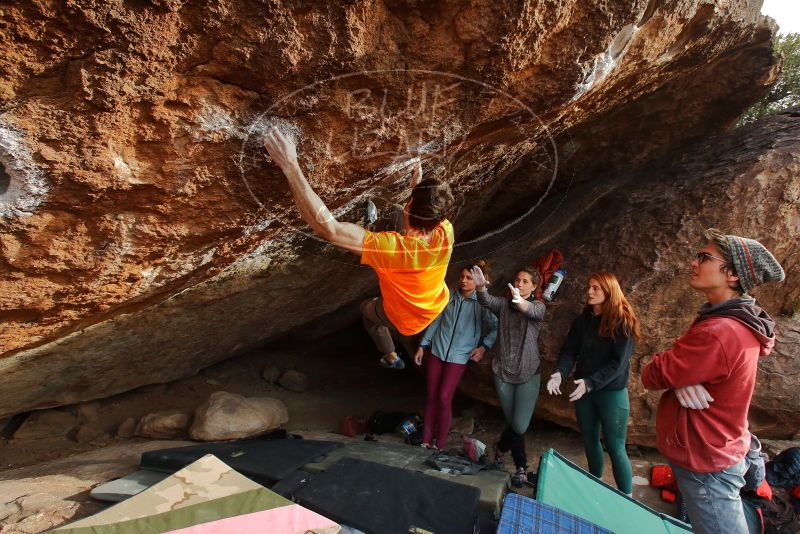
<point x="397" y="364"/>
<point x="370" y="214"/>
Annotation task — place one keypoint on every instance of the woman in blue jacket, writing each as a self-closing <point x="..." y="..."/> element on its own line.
<point x="454" y="338"/>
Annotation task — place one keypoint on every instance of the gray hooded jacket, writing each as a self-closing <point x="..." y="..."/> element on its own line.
<point x="515" y="355"/>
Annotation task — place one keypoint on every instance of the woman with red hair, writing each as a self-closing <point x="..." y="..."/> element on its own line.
<point x="599" y="345"/>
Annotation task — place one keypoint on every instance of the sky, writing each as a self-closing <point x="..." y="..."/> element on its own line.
<point x="785" y="12"/>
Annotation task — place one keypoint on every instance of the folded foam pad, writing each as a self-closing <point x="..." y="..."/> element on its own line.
<point x="566" y="486"/>
<point x="522" y="515"/>
<point x="265" y="461"/>
<point x="381" y="499"/>
<point x="206" y="497"/>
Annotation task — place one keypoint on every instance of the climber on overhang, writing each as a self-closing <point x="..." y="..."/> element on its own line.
<point x="409" y="252"/>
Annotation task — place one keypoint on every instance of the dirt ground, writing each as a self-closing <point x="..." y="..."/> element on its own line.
<point x="343" y="379"/>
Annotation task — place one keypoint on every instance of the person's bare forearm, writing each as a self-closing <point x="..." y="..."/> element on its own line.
<point x="312" y="209"/>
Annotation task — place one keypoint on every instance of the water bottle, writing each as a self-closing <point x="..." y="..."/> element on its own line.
<point x="409" y="425"/>
<point x="553" y="285"/>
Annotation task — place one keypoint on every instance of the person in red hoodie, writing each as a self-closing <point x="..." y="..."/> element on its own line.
<point x="709" y="374"/>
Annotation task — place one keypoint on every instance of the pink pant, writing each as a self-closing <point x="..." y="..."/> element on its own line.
<point x="443" y="378"/>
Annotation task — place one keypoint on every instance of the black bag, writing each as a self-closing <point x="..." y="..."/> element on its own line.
<point x="784" y="470"/>
<point x="384" y="422"/>
<point x="778" y="515"/>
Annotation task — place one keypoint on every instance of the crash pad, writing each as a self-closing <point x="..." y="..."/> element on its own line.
<point x="381" y="499"/>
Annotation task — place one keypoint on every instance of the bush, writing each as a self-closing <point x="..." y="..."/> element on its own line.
<point x="785" y="94"/>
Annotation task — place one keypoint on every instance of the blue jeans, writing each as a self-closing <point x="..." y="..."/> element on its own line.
<point x="712" y="499"/>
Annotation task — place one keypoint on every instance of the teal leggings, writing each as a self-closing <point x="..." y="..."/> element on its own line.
<point x="609" y="410"/>
<point x="518" y="401"/>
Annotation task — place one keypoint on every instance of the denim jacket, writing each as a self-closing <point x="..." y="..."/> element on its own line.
<point x="462" y="326"/>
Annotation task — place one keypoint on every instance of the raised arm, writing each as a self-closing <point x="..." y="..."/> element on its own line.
<point x="313" y="211"/>
<point x="495" y="304"/>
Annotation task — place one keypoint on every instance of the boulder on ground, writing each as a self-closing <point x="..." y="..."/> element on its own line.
<point x="271" y="373"/>
<point x="127" y="429"/>
<point x="294" y="381"/>
<point x="227" y="371"/>
<point x="163" y="425"/>
<point x="91" y="433"/>
<point x="89" y="411"/>
<point x="46" y="424"/>
<point x="230" y="416"/>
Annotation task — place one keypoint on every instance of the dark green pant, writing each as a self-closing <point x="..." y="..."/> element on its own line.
<point x="518" y="402"/>
<point x="609" y="410"/>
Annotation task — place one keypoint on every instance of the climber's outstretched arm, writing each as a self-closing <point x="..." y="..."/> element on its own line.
<point x="284" y="153"/>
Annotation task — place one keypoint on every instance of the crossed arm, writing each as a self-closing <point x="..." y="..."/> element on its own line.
<point x="313" y="211"/>
<point x="684" y="367"/>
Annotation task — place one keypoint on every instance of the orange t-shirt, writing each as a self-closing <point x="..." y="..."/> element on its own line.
<point x="411" y="274"/>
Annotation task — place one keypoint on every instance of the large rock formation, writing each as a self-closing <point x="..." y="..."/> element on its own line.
<point x="143" y="235"/>
<point x="645" y="227"/>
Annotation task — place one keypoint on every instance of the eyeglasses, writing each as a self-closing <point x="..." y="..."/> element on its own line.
<point x="702" y="256"/>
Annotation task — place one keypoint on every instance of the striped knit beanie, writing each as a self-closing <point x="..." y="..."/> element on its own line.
<point x="753" y="262"/>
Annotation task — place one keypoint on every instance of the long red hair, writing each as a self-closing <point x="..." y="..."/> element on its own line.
<point x="617" y="311"/>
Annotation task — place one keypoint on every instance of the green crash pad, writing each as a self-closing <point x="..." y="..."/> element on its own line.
<point x="566" y="486"/>
<point x="493" y="484"/>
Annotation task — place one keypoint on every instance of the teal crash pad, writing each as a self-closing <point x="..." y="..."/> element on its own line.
<point x="564" y="485"/>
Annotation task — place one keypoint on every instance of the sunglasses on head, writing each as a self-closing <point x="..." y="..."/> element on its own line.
<point x="702" y="256"/>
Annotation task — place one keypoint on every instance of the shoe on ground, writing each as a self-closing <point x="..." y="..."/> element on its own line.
<point x="520" y="478"/>
<point x="397" y="364"/>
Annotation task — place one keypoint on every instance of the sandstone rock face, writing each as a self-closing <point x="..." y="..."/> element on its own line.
<point x="163" y="425"/>
<point x="646" y="229"/>
<point x="143" y="235"/>
<point x="231" y="416"/>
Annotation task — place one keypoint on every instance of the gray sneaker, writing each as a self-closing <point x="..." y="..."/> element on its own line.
<point x="396" y="364"/>
<point x="520" y="478"/>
